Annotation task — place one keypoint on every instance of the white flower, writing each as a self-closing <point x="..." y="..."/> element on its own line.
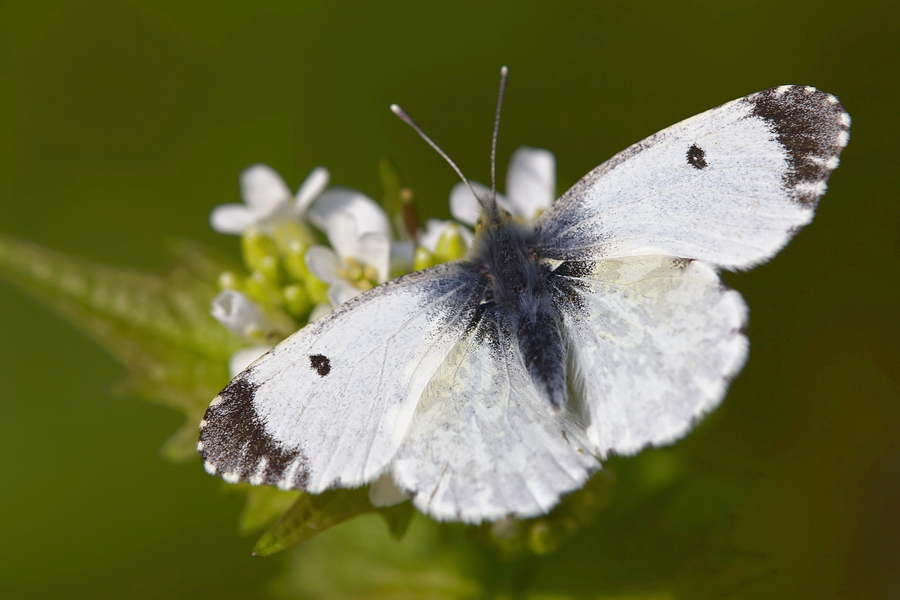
<point x="320" y="310"/>
<point x="245" y="357"/>
<point x="530" y="188"/>
<point x="240" y="314"/>
<point x="267" y="200"/>
<point x="359" y="234"/>
<point x="435" y="229"/>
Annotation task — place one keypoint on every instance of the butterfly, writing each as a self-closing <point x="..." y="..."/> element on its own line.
<point x="491" y="386"/>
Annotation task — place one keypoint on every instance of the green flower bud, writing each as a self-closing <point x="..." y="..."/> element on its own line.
<point x="229" y="280"/>
<point x="451" y="245"/>
<point x="543" y="537"/>
<point x="296" y="300"/>
<point x="263" y="290"/>
<point x="423" y="259"/>
<point x="257" y="247"/>
<point x="295" y="262"/>
<point x="290" y="234"/>
<point x="269" y="267"/>
<point x="316" y="289"/>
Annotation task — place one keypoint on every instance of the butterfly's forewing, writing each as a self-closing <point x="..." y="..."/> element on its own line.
<point x="653" y="343"/>
<point x="729" y="186"/>
<point x="329" y="407"/>
<point x="484" y="443"/>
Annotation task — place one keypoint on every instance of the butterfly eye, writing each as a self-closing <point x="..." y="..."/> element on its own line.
<point x="696" y="157"/>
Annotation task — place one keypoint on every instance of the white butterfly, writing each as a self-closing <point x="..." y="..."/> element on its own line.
<point x="492" y="386"/>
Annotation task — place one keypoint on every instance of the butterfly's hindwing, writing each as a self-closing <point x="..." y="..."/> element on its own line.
<point x="653" y="342"/>
<point x="484" y="443"/>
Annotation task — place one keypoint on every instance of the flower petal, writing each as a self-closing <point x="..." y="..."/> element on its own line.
<point x="312" y="187"/>
<point x="230" y="218"/>
<point x="374" y="249"/>
<point x="464" y="207"/>
<point x="323" y="263"/>
<point x="368" y="214"/>
<point x="402" y="254"/>
<point x="341" y="291"/>
<point x="238" y="313"/>
<point x="264" y="190"/>
<point x="245" y="357"/>
<point x="434" y="229"/>
<point x="344" y="235"/>
<point x="320" y="310"/>
<point x="531" y="182"/>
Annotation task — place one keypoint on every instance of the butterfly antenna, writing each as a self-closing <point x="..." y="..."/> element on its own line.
<point x="504" y="73"/>
<point x="409" y="121"/>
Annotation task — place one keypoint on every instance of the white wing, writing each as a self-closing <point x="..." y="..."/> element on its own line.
<point x="484" y="443"/>
<point x="653" y="343"/>
<point x="729" y="186"/>
<point x="329" y="407"/>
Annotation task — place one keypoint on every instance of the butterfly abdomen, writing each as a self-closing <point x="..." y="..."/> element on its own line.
<point x="505" y="254"/>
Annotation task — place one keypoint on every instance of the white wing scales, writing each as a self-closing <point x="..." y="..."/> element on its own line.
<point x="729" y="186"/>
<point x="329" y="407"/>
<point x="484" y="443"/>
<point x="654" y="342"/>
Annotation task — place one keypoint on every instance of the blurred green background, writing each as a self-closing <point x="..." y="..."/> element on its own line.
<point x="123" y="123"/>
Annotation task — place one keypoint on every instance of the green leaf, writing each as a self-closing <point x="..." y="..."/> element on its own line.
<point x="312" y="514"/>
<point x="158" y="326"/>
<point x="357" y="561"/>
<point x="397" y="518"/>
<point x="264" y="505"/>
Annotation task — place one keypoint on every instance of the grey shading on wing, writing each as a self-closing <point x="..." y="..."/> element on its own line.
<point x="653" y="343"/>
<point x="330" y="406"/>
<point x="729" y="186"/>
<point x="484" y="443"/>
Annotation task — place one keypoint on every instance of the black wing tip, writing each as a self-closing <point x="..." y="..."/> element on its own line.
<point x="235" y="444"/>
<point x="785" y="100"/>
<point x="812" y="127"/>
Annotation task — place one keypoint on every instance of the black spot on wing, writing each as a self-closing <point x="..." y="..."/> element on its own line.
<point x="234" y="440"/>
<point x="696" y="157"/>
<point x="320" y="364"/>
<point x="812" y="127"/>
